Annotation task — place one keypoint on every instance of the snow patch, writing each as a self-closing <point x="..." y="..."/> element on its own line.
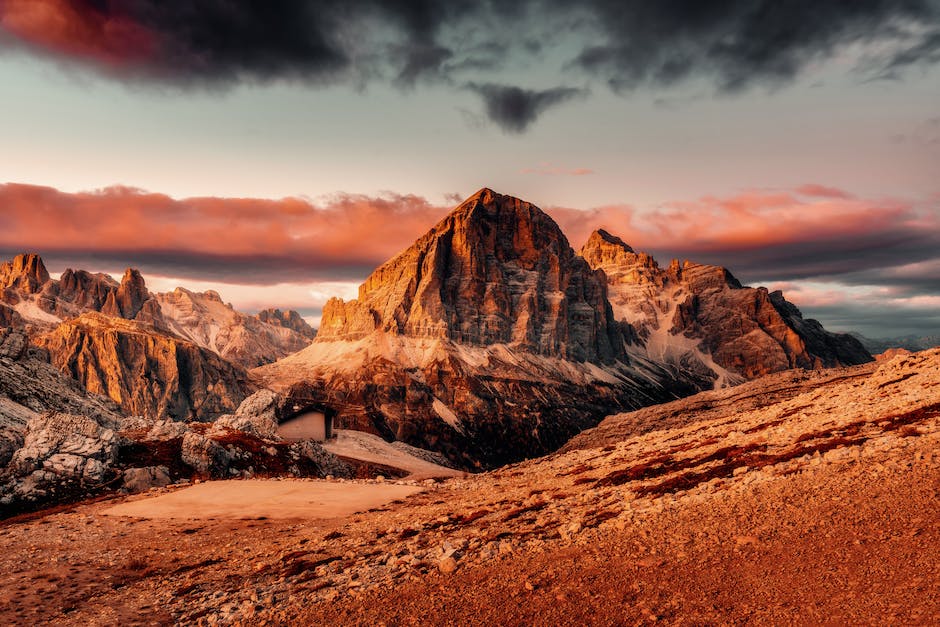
<point x="447" y="415"/>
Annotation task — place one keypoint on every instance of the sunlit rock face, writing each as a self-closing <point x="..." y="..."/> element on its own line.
<point x="146" y="372"/>
<point x="695" y="312"/>
<point x="497" y="270"/>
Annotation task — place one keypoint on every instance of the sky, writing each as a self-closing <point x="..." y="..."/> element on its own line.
<point x="278" y="151"/>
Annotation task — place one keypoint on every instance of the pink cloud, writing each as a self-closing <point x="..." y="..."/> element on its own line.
<point x="746" y="221"/>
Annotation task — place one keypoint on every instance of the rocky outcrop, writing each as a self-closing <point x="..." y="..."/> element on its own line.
<point x="258" y="415"/>
<point x="62" y="457"/>
<point x="700" y="314"/>
<point x="497" y="270"/>
<point x="289" y="320"/>
<point x="25" y="272"/>
<point x="30" y="387"/>
<point x="146" y="372"/>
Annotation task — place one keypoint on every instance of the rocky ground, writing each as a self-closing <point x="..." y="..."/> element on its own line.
<point x="819" y="505"/>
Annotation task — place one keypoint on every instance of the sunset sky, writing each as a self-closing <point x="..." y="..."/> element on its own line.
<point x="278" y="151"/>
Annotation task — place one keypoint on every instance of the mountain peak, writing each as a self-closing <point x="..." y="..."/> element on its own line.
<point x="496" y="270"/>
<point x="26" y="271"/>
<point x="602" y="237"/>
<point x="606" y="251"/>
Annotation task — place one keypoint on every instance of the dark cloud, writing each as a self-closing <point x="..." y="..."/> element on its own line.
<point x="625" y="43"/>
<point x="515" y="109"/>
<point x="736" y="43"/>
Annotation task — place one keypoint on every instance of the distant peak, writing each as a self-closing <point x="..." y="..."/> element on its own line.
<point x="482" y="194"/>
<point x="600" y="235"/>
<point x="26" y="271"/>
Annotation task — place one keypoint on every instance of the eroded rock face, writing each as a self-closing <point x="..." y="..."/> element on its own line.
<point x="146" y="372"/>
<point x="497" y="270"/>
<point x="701" y="313"/>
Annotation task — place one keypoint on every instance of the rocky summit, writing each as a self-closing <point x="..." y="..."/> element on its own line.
<point x="491" y="340"/>
<point x="701" y="317"/>
<point x="497" y="270"/>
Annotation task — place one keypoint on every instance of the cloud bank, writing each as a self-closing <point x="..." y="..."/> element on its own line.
<point x="484" y="46"/>
<point x="839" y="256"/>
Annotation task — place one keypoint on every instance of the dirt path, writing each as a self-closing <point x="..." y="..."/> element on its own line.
<point x="259" y="499"/>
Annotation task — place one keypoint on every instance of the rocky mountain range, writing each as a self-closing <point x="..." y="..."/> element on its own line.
<point x="701" y="317"/>
<point x="180" y="355"/>
<point x="490" y="339"/>
<point x="907" y="342"/>
<point x="30" y="296"/>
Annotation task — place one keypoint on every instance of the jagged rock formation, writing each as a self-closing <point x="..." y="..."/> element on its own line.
<point x="30" y="299"/>
<point x="25" y="272"/>
<point x="158" y="362"/>
<point x="289" y="319"/>
<point x="488" y="340"/>
<point x="146" y="372"/>
<point x="692" y="313"/>
<point x="248" y="341"/>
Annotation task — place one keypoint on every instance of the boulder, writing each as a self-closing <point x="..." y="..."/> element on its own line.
<point x="142" y="479"/>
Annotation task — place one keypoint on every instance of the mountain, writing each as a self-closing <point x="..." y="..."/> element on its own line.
<point x="40" y="303"/>
<point x="908" y="342"/>
<point x="491" y="340"/>
<point x="701" y="316"/>
<point x="146" y="372"/>
<point x="248" y="341"/>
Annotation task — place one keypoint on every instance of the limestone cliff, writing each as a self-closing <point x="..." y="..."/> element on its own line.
<point x="146" y="372"/>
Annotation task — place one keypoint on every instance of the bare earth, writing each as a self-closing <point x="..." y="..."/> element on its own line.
<point x="818" y="506"/>
<point x="253" y="498"/>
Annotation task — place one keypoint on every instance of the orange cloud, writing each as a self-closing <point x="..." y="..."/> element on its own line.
<point x="348" y="234"/>
<point x="768" y="236"/>
<point x="749" y="220"/>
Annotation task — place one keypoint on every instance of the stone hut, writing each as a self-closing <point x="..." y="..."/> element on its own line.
<point x="307" y="421"/>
